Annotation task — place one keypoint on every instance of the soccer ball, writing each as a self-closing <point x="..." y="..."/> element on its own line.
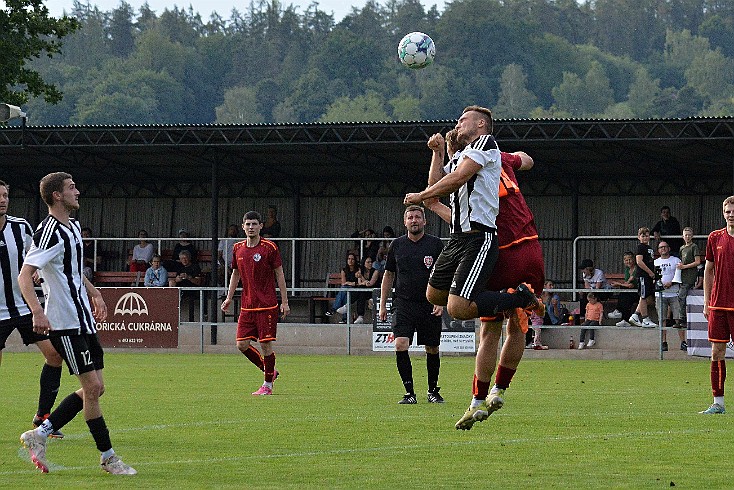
<point x="416" y="50"/>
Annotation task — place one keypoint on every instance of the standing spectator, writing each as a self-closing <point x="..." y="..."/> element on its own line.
<point x="142" y="253"/>
<point x="718" y="301"/>
<point x="645" y="274"/>
<point x="271" y="228"/>
<point x="670" y="305"/>
<point x="257" y="262"/>
<point x="389" y="235"/>
<point x="367" y="277"/>
<point x="156" y="276"/>
<point x="16" y="238"/>
<point x="592" y="318"/>
<point x="668" y="227"/>
<point x="410" y="260"/>
<point x="69" y="320"/>
<point x="91" y="259"/>
<point x="689" y="262"/>
<point x="184" y="244"/>
<point x="537" y="321"/>
<point x="626" y="301"/>
<point x="370" y="246"/>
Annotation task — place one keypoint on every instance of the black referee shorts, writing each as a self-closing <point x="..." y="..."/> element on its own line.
<point x="414" y="316"/>
<point x="466" y="263"/>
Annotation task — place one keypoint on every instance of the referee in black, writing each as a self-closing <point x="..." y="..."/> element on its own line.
<point x="410" y="258"/>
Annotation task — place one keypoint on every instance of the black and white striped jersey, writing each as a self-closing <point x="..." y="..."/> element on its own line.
<point x="15" y="240"/>
<point x="475" y="204"/>
<point x="57" y="253"/>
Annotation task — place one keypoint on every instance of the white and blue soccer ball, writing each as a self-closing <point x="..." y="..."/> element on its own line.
<point x="416" y="50"/>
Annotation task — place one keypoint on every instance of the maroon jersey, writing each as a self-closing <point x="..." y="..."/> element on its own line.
<point x="257" y="272"/>
<point x="515" y="222"/>
<point x="720" y="251"/>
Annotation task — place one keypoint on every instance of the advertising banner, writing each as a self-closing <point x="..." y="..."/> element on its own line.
<point x="456" y="336"/>
<point x="698" y="327"/>
<point x="140" y="317"/>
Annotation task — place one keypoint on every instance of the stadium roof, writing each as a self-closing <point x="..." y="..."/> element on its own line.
<point x="583" y="157"/>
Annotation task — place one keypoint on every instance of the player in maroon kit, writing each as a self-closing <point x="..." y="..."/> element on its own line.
<point x="718" y="301"/>
<point x="520" y="260"/>
<point x="256" y="261"/>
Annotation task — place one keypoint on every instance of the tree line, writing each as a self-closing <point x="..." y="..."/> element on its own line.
<point x="272" y="63"/>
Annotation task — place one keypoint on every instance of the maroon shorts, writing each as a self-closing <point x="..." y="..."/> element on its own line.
<point x="721" y="325"/>
<point x="520" y="263"/>
<point x="260" y="325"/>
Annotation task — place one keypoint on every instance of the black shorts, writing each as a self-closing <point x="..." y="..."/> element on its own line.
<point x="465" y="264"/>
<point x="24" y="324"/>
<point x="413" y="316"/>
<point x="81" y="352"/>
<point x="645" y="288"/>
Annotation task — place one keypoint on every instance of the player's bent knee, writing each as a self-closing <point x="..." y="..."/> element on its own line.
<point x="436" y="296"/>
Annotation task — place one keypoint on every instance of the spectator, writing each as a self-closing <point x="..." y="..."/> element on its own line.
<point x="156" y="276"/>
<point x="626" y="301"/>
<point x="700" y="270"/>
<point x="224" y="250"/>
<point x="645" y="275"/>
<point x="348" y="280"/>
<point x="367" y="277"/>
<point x="188" y="273"/>
<point x="593" y="279"/>
<point x="594" y="312"/>
<point x="370" y="247"/>
<point x="669" y="305"/>
<point x="668" y="226"/>
<point x="90" y="258"/>
<point x="271" y="227"/>
<point x="554" y="314"/>
<point x="388" y="233"/>
<point x="689" y="262"/>
<point x="142" y="253"/>
<point x="381" y="260"/>
<point x="174" y="264"/>
<point x="536" y="322"/>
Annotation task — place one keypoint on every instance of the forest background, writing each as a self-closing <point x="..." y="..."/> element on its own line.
<point x="271" y="63"/>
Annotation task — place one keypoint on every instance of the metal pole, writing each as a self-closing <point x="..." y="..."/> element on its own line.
<point x="214" y="280"/>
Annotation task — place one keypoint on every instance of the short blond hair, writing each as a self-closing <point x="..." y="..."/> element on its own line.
<point x="728" y="200"/>
<point x="643" y="230"/>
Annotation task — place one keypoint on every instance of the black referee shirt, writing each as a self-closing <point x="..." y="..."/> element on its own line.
<point x="412" y="263"/>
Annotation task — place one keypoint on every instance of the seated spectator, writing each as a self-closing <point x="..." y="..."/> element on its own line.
<point x="593" y="279"/>
<point x="271" y="227"/>
<point x="348" y="280"/>
<point x="183" y="244"/>
<point x="188" y="273"/>
<point x="90" y="258"/>
<point x="371" y="246"/>
<point x="156" y="276"/>
<point x="668" y="226"/>
<point x="224" y="250"/>
<point x="555" y="313"/>
<point x="627" y="301"/>
<point x="142" y="253"/>
<point x="389" y="234"/>
<point x="592" y="318"/>
<point x="379" y="263"/>
<point x="367" y="277"/>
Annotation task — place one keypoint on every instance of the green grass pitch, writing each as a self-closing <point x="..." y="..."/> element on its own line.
<point x="189" y="421"/>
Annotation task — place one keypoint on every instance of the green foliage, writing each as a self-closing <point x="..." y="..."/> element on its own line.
<point x="368" y="107"/>
<point x="189" y="421"/>
<point x="579" y="59"/>
<point x="239" y="107"/>
<point x="27" y="31"/>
